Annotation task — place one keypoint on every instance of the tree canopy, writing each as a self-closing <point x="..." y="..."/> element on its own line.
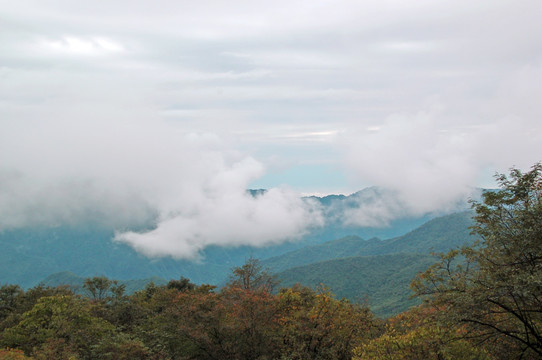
<point x="494" y="288"/>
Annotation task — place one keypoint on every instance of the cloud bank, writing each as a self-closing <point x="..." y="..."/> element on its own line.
<point x="228" y="219"/>
<point x="431" y="160"/>
<point x="131" y="113"/>
<point x="190" y="188"/>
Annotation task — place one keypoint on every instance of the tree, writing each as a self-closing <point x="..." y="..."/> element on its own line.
<point x="252" y="276"/>
<point x="418" y="334"/>
<point x="14" y="301"/>
<point x="121" y="347"/>
<point x="10" y="302"/>
<point x="60" y="326"/>
<point x="495" y="287"/>
<point x="13" y="354"/>
<point x="183" y="284"/>
<point x="239" y="322"/>
<point x="100" y="288"/>
<point x="314" y="325"/>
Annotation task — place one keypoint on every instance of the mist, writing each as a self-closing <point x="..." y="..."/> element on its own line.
<point x="154" y="120"/>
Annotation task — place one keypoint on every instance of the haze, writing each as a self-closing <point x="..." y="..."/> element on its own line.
<point x="130" y="112"/>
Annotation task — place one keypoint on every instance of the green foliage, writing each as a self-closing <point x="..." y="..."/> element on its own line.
<point x="495" y="288"/>
<point x="232" y="324"/>
<point x="76" y="283"/>
<point x="10" y="301"/>
<point x="252" y="276"/>
<point x="379" y="271"/>
<point x="14" y="301"/>
<point x="121" y="347"/>
<point x="249" y="323"/>
<point x="100" y="288"/>
<point x="61" y="324"/>
<point x="383" y="281"/>
<point x="417" y="334"/>
<point x="439" y="234"/>
<point x="183" y="284"/>
<point x="248" y="320"/>
<point x="12" y="354"/>
<point x="317" y="326"/>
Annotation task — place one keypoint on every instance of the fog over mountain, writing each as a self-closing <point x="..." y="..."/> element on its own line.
<point x="190" y="188"/>
<point x="156" y="118"/>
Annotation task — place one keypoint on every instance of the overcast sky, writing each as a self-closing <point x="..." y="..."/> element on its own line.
<point x="122" y="110"/>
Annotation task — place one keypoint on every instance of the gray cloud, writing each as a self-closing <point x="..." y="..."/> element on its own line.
<point x="127" y="174"/>
<point x="129" y="110"/>
<point x="430" y="160"/>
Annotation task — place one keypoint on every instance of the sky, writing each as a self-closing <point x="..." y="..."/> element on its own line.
<point x="125" y="111"/>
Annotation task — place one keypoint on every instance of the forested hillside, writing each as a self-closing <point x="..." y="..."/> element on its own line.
<point x="181" y="320"/>
<point x="437" y="235"/>
<point x="378" y="271"/>
<point x="374" y="270"/>
<point x="381" y="280"/>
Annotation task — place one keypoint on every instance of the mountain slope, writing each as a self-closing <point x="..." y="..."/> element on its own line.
<point x="30" y="254"/>
<point x="383" y="280"/>
<point x="345" y="247"/>
<point x="380" y="270"/>
<point x="437" y="235"/>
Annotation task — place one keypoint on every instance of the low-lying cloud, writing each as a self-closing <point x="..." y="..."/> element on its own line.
<point x="431" y="161"/>
<point x="424" y="167"/>
<point x="158" y="116"/>
<point x="189" y="188"/>
<point x="227" y="219"/>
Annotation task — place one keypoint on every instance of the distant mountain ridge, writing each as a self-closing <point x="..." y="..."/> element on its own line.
<point x="379" y="270"/>
<point x="437" y="235"/>
<point x="31" y="254"/>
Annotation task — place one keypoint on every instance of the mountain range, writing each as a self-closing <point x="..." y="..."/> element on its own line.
<point x="374" y="270"/>
<point x="362" y="269"/>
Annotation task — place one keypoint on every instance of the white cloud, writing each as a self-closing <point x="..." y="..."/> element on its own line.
<point x="81" y="46"/>
<point x="97" y="101"/>
<point x="426" y="168"/>
<point x="430" y="161"/>
<point x="228" y="219"/>
<point x="129" y="173"/>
